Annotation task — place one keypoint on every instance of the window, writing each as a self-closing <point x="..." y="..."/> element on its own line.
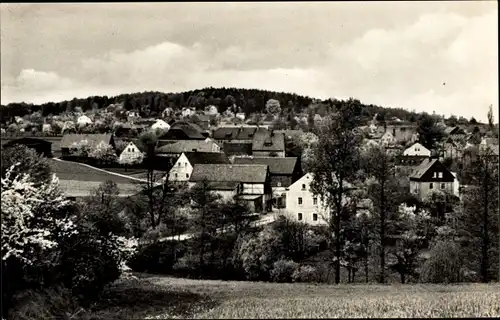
<point x="187" y="175"/>
<point x="300" y="200"/>
<point x="300" y="216"/>
<point x="185" y="164"/>
<point x="315" y="201"/>
<point x="303" y="187"/>
<point x="442" y="185"/>
<point x="431" y="185"/>
<point x="440" y="174"/>
<point x="176" y="175"/>
<point x="315" y="217"/>
<point x="179" y="164"/>
<point x="278" y="184"/>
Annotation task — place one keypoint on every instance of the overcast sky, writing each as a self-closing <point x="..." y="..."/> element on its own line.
<point x="427" y="56"/>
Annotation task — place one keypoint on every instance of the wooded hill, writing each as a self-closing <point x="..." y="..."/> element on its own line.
<point x="249" y="101"/>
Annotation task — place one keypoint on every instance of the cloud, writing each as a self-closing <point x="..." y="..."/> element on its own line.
<point x="439" y="61"/>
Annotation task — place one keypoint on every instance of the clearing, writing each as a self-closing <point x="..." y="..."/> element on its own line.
<point x="159" y="297"/>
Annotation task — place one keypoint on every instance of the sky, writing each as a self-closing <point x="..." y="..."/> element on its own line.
<point x="424" y="56"/>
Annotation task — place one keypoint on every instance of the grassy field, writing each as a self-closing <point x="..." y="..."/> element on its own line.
<point x="157" y="297"/>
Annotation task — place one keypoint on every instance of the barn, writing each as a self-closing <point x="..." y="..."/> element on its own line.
<point x="41" y="146"/>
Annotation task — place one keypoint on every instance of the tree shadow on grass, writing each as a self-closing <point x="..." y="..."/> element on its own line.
<point x="145" y="299"/>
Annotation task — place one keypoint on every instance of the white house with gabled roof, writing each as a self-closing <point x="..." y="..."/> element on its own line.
<point x="160" y="124"/>
<point x="83" y="120"/>
<point x="131" y="154"/>
<point x="417" y="150"/>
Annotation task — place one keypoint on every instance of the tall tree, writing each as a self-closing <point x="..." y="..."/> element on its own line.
<point x="335" y="164"/>
<point x="383" y="191"/>
<point x="482" y="203"/>
<point x="429" y="132"/>
<point x="491" y="123"/>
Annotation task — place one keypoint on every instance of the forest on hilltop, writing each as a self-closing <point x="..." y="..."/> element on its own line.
<point x="249" y="101"/>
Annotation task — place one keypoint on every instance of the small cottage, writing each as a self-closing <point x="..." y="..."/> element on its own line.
<point x="417" y="150"/>
<point x="83" y="120"/>
<point x="432" y="175"/>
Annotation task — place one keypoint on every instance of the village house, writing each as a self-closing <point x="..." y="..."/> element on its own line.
<point x="488" y="142"/>
<point x="160" y="124"/>
<point x="175" y="148"/>
<point x="187" y="112"/>
<point x="131" y="154"/>
<point x="69" y="142"/>
<point x="452" y="148"/>
<point x="248" y="183"/>
<point x="183" y="167"/>
<point x="455" y="133"/>
<point x="401" y="132"/>
<point x="284" y="172"/>
<point x="41" y="146"/>
<point x="47" y="128"/>
<point x="183" y="130"/>
<point x="417" y="150"/>
<point x="431" y="175"/>
<point x="303" y="205"/>
<point x="237" y="140"/>
<point x="268" y="144"/>
<point x="409" y="161"/>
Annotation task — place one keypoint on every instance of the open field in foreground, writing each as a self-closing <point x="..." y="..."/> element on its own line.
<point x="157" y="297"/>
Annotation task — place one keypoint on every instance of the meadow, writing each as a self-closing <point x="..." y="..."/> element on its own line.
<point x="159" y="297"/>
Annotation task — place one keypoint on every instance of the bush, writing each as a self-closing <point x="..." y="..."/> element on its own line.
<point x="283" y="270"/>
<point x="157" y="257"/>
<point x="444" y="264"/>
<point x="53" y="303"/>
<point x="305" y="273"/>
<point x="89" y="262"/>
<point x="187" y="266"/>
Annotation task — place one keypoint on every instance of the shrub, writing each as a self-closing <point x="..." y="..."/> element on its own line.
<point x="157" y="257"/>
<point x="52" y="303"/>
<point x="187" y="266"/>
<point x="283" y="270"/>
<point x="444" y="264"/>
<point x="305" y="273"/>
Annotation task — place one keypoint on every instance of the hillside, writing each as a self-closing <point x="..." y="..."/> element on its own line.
<point x="249" y="101"/>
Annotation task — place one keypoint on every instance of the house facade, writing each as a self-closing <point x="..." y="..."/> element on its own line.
<point x="387" y="139"/>
<point x="184" y="165"/>
<point x="417" y="150"/>
<point x="250" y="184"/>
<point x="160" y="124"/>
<point x="131" y="154"/>
<point x="432" y="175"/>
<point x="302" y="205"/>
<point x="400" y="132"/>
<point x="83" y="120"/>
<point x="284" y="172"/>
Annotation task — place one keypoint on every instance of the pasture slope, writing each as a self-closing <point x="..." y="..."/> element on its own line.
<point x="159" y="297"/>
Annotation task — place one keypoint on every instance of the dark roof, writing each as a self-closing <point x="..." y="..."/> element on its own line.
<point x="25" y="141"/>
<point x="237" y="133"/>
<point x="183" y="129"/>
<point x="237" y="148"/>
<point x="249" y="173"/>
<point x="206" y="158"/>
<point x="277" y="166"/>
<point x="93" y="139"/>
<point x="425" y="166"/>
<point x="181" y="146"/>
<point x="223" y="185"/>
<point x="268" y="141"/>
<point x="454" y="130"/>
<point x="290" y="133"/>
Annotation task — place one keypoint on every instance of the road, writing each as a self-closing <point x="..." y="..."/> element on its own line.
<point x="269" y="218"/>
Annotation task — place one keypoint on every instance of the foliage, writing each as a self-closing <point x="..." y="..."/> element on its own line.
<point x="283" y="270"/>
<point x="444" y="264"/>
<point x="157" y="257"/>
<point x="28" y="161"/>
<point x="335" y="164"/>
<point x="305" y="273"/>
<point x="429" y="132"/>
<point x="103" y="152"/>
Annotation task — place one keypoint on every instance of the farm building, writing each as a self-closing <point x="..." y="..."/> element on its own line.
<point x="69" y="140"/>
<point x="41" y="146"/>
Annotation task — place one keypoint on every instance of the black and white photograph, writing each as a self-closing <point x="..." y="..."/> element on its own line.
<point x="250" y="160"/>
